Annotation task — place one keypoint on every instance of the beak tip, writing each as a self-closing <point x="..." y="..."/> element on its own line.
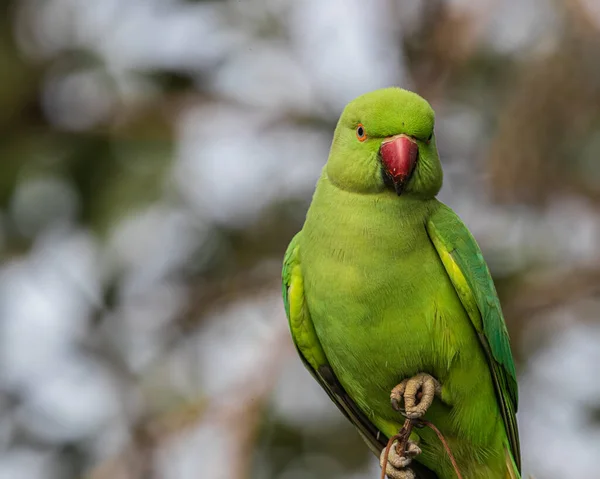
<point x="399" y="187"/>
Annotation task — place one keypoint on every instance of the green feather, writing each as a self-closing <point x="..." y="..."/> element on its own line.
<point x="379" y="287"/>
<point x="469" y="273"/>
<point x="313" y="357"/>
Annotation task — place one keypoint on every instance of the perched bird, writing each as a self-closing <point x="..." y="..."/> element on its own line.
<point x="384" y="286"/>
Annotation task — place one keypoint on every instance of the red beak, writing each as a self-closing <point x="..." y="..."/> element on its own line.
<point x="399" y="155"/>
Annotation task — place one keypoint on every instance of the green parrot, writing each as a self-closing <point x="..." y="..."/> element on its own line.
<point x="384" y="283"/>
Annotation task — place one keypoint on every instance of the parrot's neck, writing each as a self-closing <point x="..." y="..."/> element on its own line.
<point x="385" y="206"/>
<point x="349" y="220"/>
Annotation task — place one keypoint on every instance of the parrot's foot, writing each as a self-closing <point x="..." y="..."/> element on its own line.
<point x="398" y="461"/>
<point x="418" y="393"/>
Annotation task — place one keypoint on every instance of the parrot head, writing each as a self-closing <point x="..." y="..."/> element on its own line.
<point x="384" y="140"/>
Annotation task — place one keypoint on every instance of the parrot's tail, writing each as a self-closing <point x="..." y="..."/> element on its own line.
<point x="512" y="471"/>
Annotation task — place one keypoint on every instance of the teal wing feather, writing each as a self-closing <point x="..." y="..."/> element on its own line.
<point x="312" y="355"/>
<point x="473" y="282"/>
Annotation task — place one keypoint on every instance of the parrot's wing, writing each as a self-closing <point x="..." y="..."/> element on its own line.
<point x="473" y="283"/>
<point x="312" y="354"/>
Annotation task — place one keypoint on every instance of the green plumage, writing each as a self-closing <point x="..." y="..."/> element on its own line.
<point x="379" y="287"/>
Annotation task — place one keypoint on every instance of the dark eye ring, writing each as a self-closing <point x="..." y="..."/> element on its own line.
<point x="360" y="132"/>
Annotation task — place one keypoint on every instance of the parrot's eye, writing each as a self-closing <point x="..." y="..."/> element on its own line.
<point x="360" y="132"/>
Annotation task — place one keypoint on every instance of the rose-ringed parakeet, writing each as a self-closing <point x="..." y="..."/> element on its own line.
<point x="384" y="284"/>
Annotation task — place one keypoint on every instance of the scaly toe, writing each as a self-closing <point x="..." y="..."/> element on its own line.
<point x="397" y="396"/>
<point x="412" y="449"/>
<point x="398" y="459"/>
<point x="399" y="473"/>
<point x="393" y="473"/>
<point x="415" y="406"/>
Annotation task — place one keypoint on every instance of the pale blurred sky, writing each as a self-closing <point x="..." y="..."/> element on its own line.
<point x="327" y="53"/>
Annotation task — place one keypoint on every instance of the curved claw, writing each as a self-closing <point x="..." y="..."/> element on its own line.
<point x="417" y="392"/>
<point x="397" y="465"/>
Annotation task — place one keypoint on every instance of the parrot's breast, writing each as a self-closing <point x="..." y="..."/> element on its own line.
<point x="381" y="302"/>
<point x="384" y="309"/>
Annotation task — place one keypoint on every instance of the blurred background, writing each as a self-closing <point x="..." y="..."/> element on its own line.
<point x="156" y="156"/>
